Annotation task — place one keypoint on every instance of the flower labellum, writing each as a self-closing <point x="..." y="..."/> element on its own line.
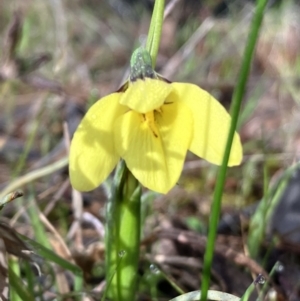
<point x="151" y="124"/>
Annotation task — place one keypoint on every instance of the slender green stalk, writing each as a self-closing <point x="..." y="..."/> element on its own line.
<point x="43" y="256"/>
<point x="29" y="276"/>
<point x="277" y="268"/>
<point x="236" y="104"/>
<point x="20" y="291"/>
<point x="123" y="235"/>
<point x="155" y="30"/>
<point x="111" y="234"/>
<point x="265" y="209"/>
<point x="266" y="179"/>
<point x="129" y="213"/>
<point x="258" y="281"/>
<point x="49" y="256"/>
<point x="124" y="207"/>
<point x="248" y="292"/>
<point x="38" y="228"/>
<point x="14" y="268"/>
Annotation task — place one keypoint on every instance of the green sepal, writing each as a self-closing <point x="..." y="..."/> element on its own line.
<point x="141" y="65"/>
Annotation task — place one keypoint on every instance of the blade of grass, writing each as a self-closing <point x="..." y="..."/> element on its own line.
<point x="251" y="105"/>
<point x="38" y="228"/>
<point x="265" y="209"/>
<point x="277" y="266"/>
<point x="235" y="109"/>
<point x="33" y="175"/>
<point x="18" y="291"/>
<point x="156" y="270"/>
<point x="41" y="238"/>
<point x="49" y="255"/>
<point x="29" y="276"/>
<point x="259" y="280"/>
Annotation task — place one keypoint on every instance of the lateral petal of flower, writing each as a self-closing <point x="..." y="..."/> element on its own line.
<point x="92" y="153"/>
<point x="155" y="152"/>
<point x="211" y="125"/>
<point x="145" y="95"/>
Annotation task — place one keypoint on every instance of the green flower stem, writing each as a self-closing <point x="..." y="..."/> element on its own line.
<point x="155" y="30"/>
<point x="123" y="235"/>
<point x="15" y="268"/>
<point x="236" y="104"/>
<point x="123" y="225"/>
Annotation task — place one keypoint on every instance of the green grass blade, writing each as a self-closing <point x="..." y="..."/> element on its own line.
<point x="50" y="256"/>
<point x="235" y="109"/>
<point x="30" y="278"/>
<point x="45" y="252"/>
<point x="19" y="290"/>
<point x="38" y="228"/>
<point x="34" y="175"/>
<point x="264" y="211"/>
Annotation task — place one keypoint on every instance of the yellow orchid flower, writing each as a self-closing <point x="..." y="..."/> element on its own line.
<point x="151" y="124"/>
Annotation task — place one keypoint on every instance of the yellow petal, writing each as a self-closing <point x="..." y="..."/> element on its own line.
<point x="145" y="95"/>
<point x="154" y="146"/>
<point x="92" y="152"/>
<point x="211" y="125"/>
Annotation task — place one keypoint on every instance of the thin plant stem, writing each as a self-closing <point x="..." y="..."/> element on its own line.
<point x="129" y="216"/>
<point x="15" y="267"/>
<point x="124" y="207"/>
<point x="235" y="109"/>
<point x="265" y="209"/>
<point x="111" y="248"/>
<point x="123" y="235"/>
<point x="155" y="30"/>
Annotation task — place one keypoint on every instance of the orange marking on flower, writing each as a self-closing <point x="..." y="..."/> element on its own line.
<point x="150" y="121"/>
